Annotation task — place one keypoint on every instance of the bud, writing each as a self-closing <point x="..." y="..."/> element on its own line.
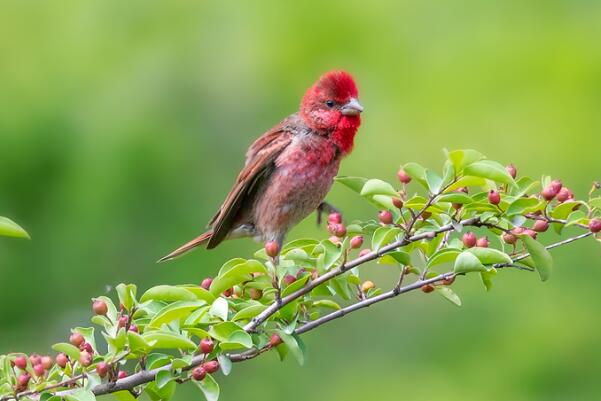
<point x="255" y="294"/>
<point x="385" y="217"/>
<point x="463" y="189"/>
<point x="541" y="226"/>
<point x="85" y="358"/>
<point x="364" y="252"/>
<point x="397" y="202"/>
<point x="99" y="307"/>
<point x="339" y="230"/>
<point x="426" y="215"/>
<point x="289" y="279"/>
<point x="482" y="242"/>
<point x="206" y="345"/>
<point x="556" y="185"/>
<point x="122" y="321"/>
<point x="334" y="218"/>
<point x="367" y="285"/>
<point x="121" y="374"/>
<point x="356" y="242"/>
<point x="133" y="328"/>
<point x="449" y="280"/>
<point x="62" y="360"/>
<point x="102" y="368"/>
<point x="469" y="239"/>
<point x="509" y="238"/>
<point x="549" y="193"/>
<point x="47" y="362"/>
<point x="211" y="366"/>
<point x="335" y="240"/>
<point x="518" y="230"/>
<point x="404" y="177"/>
<point x="206" y="283"/>
<point x="275" y="340"/>
<point x="494" y="197"/>
<point x="21" y="362"/>
<point x="594" y="225"/>
<point x="228" y="293"/>
<point x="531" y="233"/>
<point x="23" y="380"/>
<point x="564" y="194"/>
<point x="427" y="288"/>
<point x="511" y="170"/>
<point x="198" y="373"/>
<point x="272" y="248"/>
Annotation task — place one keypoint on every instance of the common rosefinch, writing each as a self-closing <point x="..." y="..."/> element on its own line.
<point x="290" y="169"/>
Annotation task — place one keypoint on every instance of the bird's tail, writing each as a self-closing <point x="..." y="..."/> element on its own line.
<point x="200" y="240"/>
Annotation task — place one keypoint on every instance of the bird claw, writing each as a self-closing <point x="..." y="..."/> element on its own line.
<point x="325" y="207"/>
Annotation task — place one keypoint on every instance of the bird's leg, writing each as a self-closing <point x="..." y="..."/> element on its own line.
<point x="325" y="207"/>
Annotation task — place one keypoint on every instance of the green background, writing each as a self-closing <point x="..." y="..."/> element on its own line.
<point x="123" y="124"/>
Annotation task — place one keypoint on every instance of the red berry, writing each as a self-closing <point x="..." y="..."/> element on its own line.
<point x="427" y="288"/>
<point x="595" y="225"/>
<point x="121" y="374"/>
<point x="448" y="280"/>
<point x="469" y="239"/>
<point x="35" y="359"/>
<point x="289" y="279"/>
<point x="339" y="230"/>
<point x="206" y="345"/>
<point x="211" y="366"/>
<point x="385" y="217"/>
<point x="122" y="322"/>
<point x="334" y="218"/>
<point x="272" y="248"/>
<point x="76" y="339"/>
<point x="509" y="238"/>
<point x="275" y="340"/>
<point x="255" y="294"/>
<point x="134" y="328"/>
<point x="206" y="283"/>
<point x="38" y="370"/>
<point x="397" y="202"/>
<point x="23" y="380"/>
<point x="47" y="362"/>
<point x="404" y="177"/>
<point x="482" y="242"/>
<point x="541" y="226"/>
<point x="228" y="293"/>
<point x="357" y="242"/>
<point x="564" y="194"/>
<point x="62" y="360"/>
<point x="198" y="373"/>
<point x="86" y="347"/>
<point x="21" y="362"/>
<point x="85" y="358"/>
<point x="511" y="170"/>
<point x="364" y="252"/>
<point x="494" y="197"/>
<point x="556" y="185"/>
<point x="100" y="307"/>
<point x="549" y="193"/>
<point x="102" y="369"/>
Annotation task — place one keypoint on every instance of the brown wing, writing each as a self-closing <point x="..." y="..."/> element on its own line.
<point x="260" y="160"/>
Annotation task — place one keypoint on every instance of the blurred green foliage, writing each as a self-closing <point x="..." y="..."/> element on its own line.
<point x="123" y="124"/>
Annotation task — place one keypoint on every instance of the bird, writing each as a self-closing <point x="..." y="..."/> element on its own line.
<point x="289" y="169"/>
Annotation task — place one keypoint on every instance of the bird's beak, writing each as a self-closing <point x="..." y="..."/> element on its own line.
<point x="352" y="108"/>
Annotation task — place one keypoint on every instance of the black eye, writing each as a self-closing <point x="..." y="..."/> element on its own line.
<point x="330" y="103"/>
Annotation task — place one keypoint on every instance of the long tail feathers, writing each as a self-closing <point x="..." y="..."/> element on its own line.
<point x="200" y="240"/>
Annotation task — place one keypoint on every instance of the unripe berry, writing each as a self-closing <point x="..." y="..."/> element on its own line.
<point x="23" y="380"/>
<point x="448" y="280"/>
<point x="356" y="242"/>
<point x="85" y="358"/>
<point x="367" y="285"/>
<point x="272" y="248"/>
<point x="511" y="170"/>
<point x="255" y="294"/>
<point x="289" y="279"/>
<point x="206" y="283"/>
<point x="385" y="217"/>
<point x="364" y="252"/>
<point x="482" y="242"/>
<point x="122" y="322"/>
<point x="275" y="340"/>
<point x="102" y="368"/>
<point x="397" y="202"/>
<point x="509" y="238"/>
<point x="427" y="288"/>
<point x="47" y="362"/>
<point x="314" y="275"/>
<point x="121" y="374"/>
<point x="463" y="189"/>
<point x="518" y="230"/>
<point x="228" y="293"/>
<point x="211" y="366"/>
<point x="531" y="233"/>
<point x="21" y="362"/>
<point x="426" y="215"/>
<point x="334" y="218"/>
<point x="594" y="225"/>
<point x="457" y="206"/>
<point x="335" y="240"/>
<point x="62" y="360"/>
<point x="38" y="370"/>
<point x="134" y="328"/>
<point x="206" y="345"/>
<point x="564" y="194"/>
<point x="100" y="308"/>
<point x="404" y="177"/>
<point x="469" y="239"/>
<point x="556" y="185"/>
<point x="494" y="197"/>
<point x="198" y="373"/>
<point x="35" y="359"/>
<point x="549" y="193"/>
<point x="541" y="226"/>
<point x="76" y="339"/>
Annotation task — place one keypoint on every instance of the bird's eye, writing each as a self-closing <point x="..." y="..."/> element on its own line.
<point x="330" y="103"/>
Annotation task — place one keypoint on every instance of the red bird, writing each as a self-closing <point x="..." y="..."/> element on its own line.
<point x="290" y="169"/>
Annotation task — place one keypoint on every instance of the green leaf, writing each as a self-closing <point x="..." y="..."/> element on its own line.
<point x="354" y="183"/>
<point x="378" y="187"/>
<point x="489" y="169"/>
<point x="524" y="205"/>
<point x="136" y="342"/>
<point x="163" y="378"/>
<point x="564" y="209"/>
<point x="70" y="350"/>
<point x="80" y="395"/>
<point x="235" y="275"/>
<point x="167" y="293"/>
<point x="455" y="197"/>
<point x="9" y="228"/>
<point x="464" y="157"/>
<point x="294" y="345"/>
<point x="489" y="256"/>
<point x="449" y="294"/>
<point x="200" y="293"/>
<point x="383" y="236"/>
<point x="595" y="203"/>
<point x="543" y="262"/>
<point x="127" y="295"/>
<point x="238" y="339"/>
<point x="417" y="172"/>
<point x="326" y="303"/>
<point x="209" y="387"/>
<point x="123" y="395"/>
<point x="467" y="262"/>
<point x="445" y="255"/>
<point x="177" y="310"/>
<point x="434" y="181"/>
<point x="219" y="308"/>
<point x="168" y="340"/>
<point x="487" y="278"/>
<point x="225" y="364"/>
<point x="396" y="258"/>
<point x="249" y="312"/>
<point x="223" y="331"/>
<point x="466" y="181"/>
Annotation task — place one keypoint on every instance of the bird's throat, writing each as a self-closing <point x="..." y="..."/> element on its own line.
<point x="343" y="135"/>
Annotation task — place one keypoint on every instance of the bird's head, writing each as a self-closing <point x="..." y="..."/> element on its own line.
<point x="332" y="102"/>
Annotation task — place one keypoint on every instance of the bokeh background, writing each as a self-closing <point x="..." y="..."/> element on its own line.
<point x="124" y="123"/>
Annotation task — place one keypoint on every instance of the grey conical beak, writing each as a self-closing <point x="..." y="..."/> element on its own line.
<point x="352" y="108"/>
